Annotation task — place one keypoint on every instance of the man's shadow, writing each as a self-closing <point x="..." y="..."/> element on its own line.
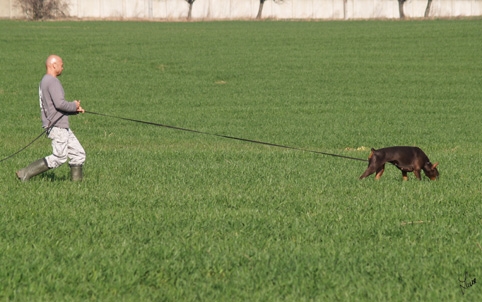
<point x="51" y="176"/>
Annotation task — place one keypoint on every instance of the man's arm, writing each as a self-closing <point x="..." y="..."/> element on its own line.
<point x="58" y="98"/>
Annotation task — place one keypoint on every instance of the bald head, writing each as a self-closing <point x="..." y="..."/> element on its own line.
<point x="54" y="65"/>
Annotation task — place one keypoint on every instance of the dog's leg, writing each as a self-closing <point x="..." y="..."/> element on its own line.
<point x="372" y="165"/>
<point x="417" y="174"/>
<point x="404" y="175"/>
<point x="369" y="171"/>
<point x="380" y="172"/>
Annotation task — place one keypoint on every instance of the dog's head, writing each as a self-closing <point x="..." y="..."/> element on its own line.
<point x="431" y="170"/>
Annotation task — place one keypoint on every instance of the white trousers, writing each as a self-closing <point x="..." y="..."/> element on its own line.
<point x="65" y="146"/>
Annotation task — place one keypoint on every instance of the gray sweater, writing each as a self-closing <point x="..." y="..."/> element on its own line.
<point x="53" y="104"/>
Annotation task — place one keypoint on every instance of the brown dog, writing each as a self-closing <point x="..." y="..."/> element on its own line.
<point x="407" y="159"/>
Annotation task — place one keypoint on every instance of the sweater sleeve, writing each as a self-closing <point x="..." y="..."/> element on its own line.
<point x="57" y="93"/>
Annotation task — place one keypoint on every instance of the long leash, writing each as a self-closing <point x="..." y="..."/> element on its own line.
<point x="189" y="130"/>
<point x="46" y="130"/>
<point x="226" y="136"/>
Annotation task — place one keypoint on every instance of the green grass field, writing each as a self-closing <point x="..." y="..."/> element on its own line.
<point x="168" y="215"/>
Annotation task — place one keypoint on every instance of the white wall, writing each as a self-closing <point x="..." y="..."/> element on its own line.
<point x="247" y="9"/>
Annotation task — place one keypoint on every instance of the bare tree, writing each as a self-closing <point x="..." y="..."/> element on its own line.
<point x="261" y="4"/>
<point x="260" y="9"/>
<point x="427" y="10"/>
<point x="43" y="9"/>
<point x="189" y="14"/>
<point x="402" y="14"/>
<point x="400" y="8"/>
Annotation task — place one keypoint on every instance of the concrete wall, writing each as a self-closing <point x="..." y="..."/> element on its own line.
<point x="7" y="9"/>
<point x="247" y="9"/>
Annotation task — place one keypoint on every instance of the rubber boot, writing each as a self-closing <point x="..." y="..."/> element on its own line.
<point x="76" y="172"/>
<point x="35" y="168"/>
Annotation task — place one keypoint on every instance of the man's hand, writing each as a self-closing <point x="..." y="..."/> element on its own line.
<point x="79" y="108"/>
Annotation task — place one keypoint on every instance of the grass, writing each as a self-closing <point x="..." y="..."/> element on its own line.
<point x="170" y="215"/>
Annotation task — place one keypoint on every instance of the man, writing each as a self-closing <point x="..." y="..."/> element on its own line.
<point x="55" y="113"/>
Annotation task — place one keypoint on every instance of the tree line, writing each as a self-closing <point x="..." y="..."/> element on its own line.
<point x="51" y="9"/>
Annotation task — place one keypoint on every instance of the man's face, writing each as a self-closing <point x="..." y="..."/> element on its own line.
<point x="58" y="66"/>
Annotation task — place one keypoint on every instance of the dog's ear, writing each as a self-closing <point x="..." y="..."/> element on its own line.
<point x="434" y="165"/>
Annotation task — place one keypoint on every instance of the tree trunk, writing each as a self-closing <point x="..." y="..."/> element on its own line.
<point x="190" y="11"/>
<point x="344" y="9"/>
<point x="400" y="8"/>
<point x="427" y="10"/>
<point x="260" y="10"/>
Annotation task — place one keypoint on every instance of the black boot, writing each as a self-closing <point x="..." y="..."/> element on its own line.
<point x="76" y="172"/>
<point x="33" y="169"/>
